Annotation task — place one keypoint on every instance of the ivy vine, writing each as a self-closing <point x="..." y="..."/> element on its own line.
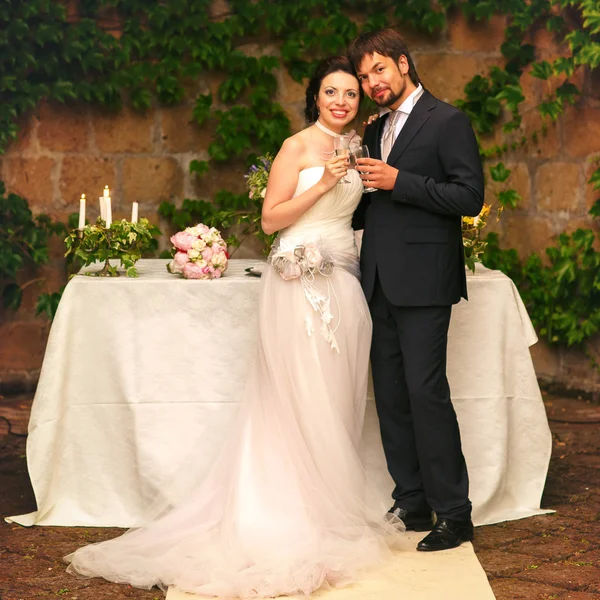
<point x="113" y="51"/>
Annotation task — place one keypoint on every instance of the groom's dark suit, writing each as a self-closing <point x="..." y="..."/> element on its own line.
<point x="413" y="270"/>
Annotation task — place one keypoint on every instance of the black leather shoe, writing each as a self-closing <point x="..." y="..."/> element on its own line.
<point x="447" y="534"/>
<point x="413" y="521"/>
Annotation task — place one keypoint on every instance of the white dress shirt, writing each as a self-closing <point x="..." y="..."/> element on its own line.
<point x="405" y="109"/>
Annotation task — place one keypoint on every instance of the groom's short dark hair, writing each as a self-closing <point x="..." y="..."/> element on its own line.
<point x="386" y="42"/>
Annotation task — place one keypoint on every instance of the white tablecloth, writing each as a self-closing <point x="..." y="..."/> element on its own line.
<point x="137" y="371"/>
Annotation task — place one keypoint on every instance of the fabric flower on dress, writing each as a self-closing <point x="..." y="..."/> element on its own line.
<point x="305" y="262"/>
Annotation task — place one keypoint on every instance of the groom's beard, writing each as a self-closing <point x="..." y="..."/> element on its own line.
<point x="393" y="97"/>
<point x="388" y="100"/>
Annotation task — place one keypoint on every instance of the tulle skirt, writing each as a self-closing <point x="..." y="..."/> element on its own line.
<point x="282" y="511"/>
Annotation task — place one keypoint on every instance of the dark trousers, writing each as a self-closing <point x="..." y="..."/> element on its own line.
<point x="418" y="424"/>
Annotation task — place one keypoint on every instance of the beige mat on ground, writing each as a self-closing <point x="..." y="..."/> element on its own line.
<point x="411" y="575"/>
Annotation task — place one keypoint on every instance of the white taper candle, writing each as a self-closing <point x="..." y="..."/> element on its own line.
<point x="134" y="212"/>
<point x="81" y="224"/>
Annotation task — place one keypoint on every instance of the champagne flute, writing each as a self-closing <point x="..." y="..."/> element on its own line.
<point x="362" y="152"/>
<point x="341" y="145"/>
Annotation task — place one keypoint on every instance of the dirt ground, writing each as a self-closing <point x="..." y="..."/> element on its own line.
<point x="541" y="558"/>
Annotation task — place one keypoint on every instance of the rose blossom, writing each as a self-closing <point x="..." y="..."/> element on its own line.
<point x="291" y="270"/>
<point x="197" y="230"/>
<point x="217" y="273"/>
<point x="183" y="241"/>
<point x="207" y="254"/>
<point x="219" y="260"/>
<point x="178" y="262"/>
<point x="199" y="245"/>
<point x="193" y="253"/>
<point x="313" y="257"/>
<point x="192" y="270"/>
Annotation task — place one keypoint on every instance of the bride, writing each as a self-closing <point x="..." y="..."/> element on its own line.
<point x="282" y="511"/>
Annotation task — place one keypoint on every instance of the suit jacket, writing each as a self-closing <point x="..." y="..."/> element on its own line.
<point x="412" y="234"/>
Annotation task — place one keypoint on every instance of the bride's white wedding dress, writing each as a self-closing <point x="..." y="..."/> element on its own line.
<point x="282" y="510"/>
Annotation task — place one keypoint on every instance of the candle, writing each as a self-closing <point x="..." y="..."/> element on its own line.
<point x="134" y="212"/>
<point x="81" y="212"/>
<point x="108" y="211"/>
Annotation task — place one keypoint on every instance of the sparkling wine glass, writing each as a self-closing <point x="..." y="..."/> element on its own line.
<point x="341" y="145"/>
<point x="362" y="152"/>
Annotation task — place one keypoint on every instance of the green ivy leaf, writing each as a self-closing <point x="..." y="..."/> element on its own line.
<point x="202" y="107"/>
<point x="595" y="210"/>
<point x="542" y="70"/>
<point x="12" y="294"/>
<point x="589" y="55"/>
<point x="551" y="108"/>
<point x="564" y="64"/>
<point x="499" y="172"/>
<point x="568" y="92"/>
<point x="509" y="198"/>
<point x="200" y="167"/>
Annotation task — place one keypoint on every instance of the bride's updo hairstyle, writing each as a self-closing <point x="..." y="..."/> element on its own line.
<point x="328" y="66"/>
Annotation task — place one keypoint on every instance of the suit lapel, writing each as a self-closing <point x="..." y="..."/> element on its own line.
<point x="375" y="147"/>
<point x="417" y="118"/>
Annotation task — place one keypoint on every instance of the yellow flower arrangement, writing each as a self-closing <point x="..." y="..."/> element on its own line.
<point x="471" y="232"/>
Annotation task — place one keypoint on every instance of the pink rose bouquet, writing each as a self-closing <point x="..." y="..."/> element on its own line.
<point x="200" y="253"/>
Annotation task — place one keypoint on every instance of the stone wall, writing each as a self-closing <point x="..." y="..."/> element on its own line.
<point x="66" y="150"/>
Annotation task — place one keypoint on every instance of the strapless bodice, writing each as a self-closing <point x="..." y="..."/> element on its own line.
<point x="330" y="218"/>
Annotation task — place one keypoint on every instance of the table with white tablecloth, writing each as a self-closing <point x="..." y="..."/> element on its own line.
<point x="140" y="372"/>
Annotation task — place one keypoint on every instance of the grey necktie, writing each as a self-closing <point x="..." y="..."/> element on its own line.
<point x="389" y="136"/>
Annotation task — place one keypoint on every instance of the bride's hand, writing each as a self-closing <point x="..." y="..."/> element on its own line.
<point x="335" y="169"/>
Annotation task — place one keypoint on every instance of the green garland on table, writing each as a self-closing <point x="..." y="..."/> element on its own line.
<point x="123" y="241"/>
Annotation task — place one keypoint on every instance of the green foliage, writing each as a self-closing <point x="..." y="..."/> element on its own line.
<point x="23" y="241"/>
<point x="123" y="241"/>
<point x="562" y="295"/>
<point x="164" y="46"/>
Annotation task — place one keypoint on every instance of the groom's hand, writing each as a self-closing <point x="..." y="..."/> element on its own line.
<point x="376" y="173"/>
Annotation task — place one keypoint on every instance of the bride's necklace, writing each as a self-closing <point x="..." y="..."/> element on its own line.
<point x="327" y="154"/>
<point x="327" y="131"/>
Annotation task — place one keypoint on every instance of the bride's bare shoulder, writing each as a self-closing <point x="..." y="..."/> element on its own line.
<point x="294" y="147"/>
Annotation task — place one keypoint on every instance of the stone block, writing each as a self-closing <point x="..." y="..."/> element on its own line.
<point x="23" y="344"/>
<point x="420" y="40"/>
<point x="527" y="234"/>
<point x="31" y="178"/>
<point x="592" y="83"/>
<point x="181" y="134"/>
<point x="546" y="361"/>
<point x="532" y="89"/>
<point x="219" y="9"/>
<point x="85" y="174"/>
<point x="149" y="181"/>
<point x="558" y="186"/>
<point x="578" y="372"/>
<point x="26" y="141"/>
<point x="468" y="35"/>
<point x="290" y="91"/>
<point x="124" y="131"/>
<point x="295" y="113"/>
<point x="228" y="176"/>
<point x="518" y="180"/>
<point x="445" y="75"/>
<point x="547" y="145"/>
<point x="591" y="195"/>
<point x="581" y="128"/>
<point x="548" y="44"/>
<point x="63" y="127"/>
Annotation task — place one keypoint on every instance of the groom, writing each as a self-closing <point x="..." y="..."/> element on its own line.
<point x="426" y="168"/>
